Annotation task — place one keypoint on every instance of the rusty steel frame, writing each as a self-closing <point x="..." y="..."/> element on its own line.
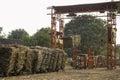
<point x="53" y="30"/>
<point x="81" y="8"/>
<point x="110" y="7"/>
<point x="56" y="38"/>
<point x="61" y="31"/>
<point x="111" y="41"/>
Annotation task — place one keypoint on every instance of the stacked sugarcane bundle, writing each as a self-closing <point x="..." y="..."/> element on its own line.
<point x="72" y="41"/>
<point x="17" y="60"/>
<point x="4" y="59"/>
<point x="50" y="59"/>
<point x="13" y="59"/>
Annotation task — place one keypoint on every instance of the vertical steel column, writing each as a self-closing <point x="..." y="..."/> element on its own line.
<point x="111" y="46"/>
<point x="53" y="30"/>
<point x="61" y="31"/>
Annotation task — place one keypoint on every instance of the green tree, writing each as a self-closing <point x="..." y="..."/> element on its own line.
<point x="118" y="50"/>
<point x="41" y="37"/>
<point x="27" y="40"/>
<point x="118" y="8"/>
<point x="19" y="34"/>
<point x="2" y="35"/>
<point x="92" y="32"/>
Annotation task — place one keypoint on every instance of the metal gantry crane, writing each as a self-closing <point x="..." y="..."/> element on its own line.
<point x="109" y="7"/>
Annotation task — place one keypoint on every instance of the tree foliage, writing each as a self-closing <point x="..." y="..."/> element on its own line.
<point x="118" y="50"/>
<point x="42" y="37"/>
<point x="91" y="30"/>
<point x="18" y="34"/>
<point x="2" y="35"/>
<point x="118" y="8"/>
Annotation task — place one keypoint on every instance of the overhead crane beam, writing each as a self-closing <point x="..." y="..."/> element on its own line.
<point x="96" y="7"/>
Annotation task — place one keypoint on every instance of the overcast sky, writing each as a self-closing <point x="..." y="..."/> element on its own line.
<point x="31" y="15"/>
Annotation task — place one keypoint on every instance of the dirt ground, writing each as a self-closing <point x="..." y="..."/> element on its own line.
<point x="72" y="74"/>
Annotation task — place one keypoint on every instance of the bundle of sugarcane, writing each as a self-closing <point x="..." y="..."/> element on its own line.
<point x="42" y="55"/>
<point x="13" y="62"/>
<point x="62" y="58"/>
<point x="21" y="60"/>
<point x="5" y="54"/>
<point x="39" y="61"/>
<point x="51" y="59"/>
<point x="72" y="41"/>
<point x="31" y="61"/>
<point x="12" y="59"/>
<point x="8" y="55"/>
<point x="17" y="59"/>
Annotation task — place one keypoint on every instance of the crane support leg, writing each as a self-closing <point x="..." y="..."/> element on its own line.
<point x="53" y="30"/>
<point x="111" y="41"/>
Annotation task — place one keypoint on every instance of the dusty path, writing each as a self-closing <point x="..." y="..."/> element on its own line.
<point x="71" y="74"/>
